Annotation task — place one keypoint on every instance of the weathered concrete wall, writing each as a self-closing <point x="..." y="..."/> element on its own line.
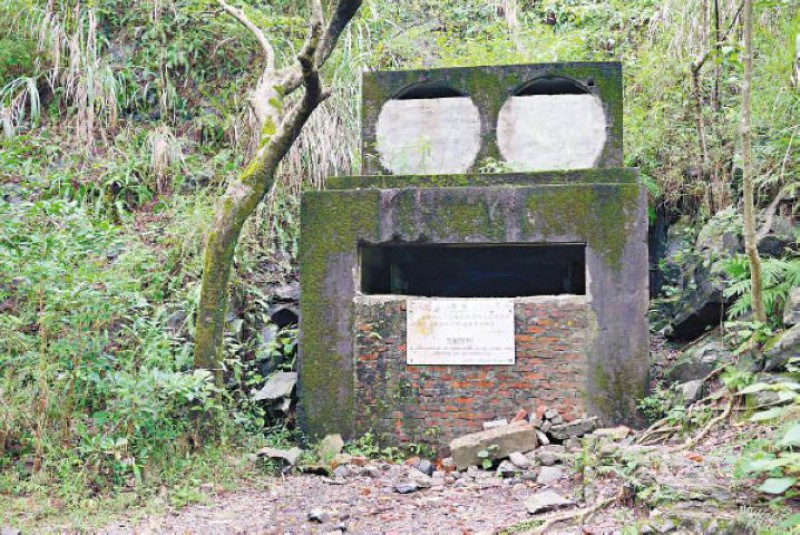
<point x="609" y="216"/>
<point x="489" y="89"/>
<point x="544" y="132"/>
<point x="436" y="136"/>
<point x="433" y="404"/>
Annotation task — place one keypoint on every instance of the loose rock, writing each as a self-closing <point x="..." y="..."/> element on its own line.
<point x="519" y="460"/>
<point x="330" y="446"/>
<point x="507" y="469"/>
<point x="543" y="440"/>
<point x="290" y="457"/>
<point x="549" y="474"/>
<point x="573" y="429"/>
<point x="508" y="439"/>
<point x="279" y="385"/>
<point x="318" y="515"/>
<point x="620" y="432"/>
<point x="406" y="487"/>
<point x="426" y="467"/>
<point x="545" y="501"/>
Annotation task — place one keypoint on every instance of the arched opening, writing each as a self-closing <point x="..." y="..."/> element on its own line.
<point x="428" y="128"/>
<point x="552" y="123"/>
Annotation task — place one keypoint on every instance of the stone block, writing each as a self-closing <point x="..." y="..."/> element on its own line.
<point x="573" y="429"/>
<point x="508" y="439"/>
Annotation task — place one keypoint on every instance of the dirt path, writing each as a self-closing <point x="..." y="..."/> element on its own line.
<point x="679" y="492"/>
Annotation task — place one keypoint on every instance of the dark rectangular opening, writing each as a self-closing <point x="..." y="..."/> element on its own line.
<point x="473" y="270"/>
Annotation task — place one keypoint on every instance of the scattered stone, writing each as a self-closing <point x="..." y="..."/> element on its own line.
<point x="279" y="385"/>
<point x="573" y="429"/>
<point x="370" y="471"/>
<point x="550" y="455"/>
<point x="421" y="480"/>
<point x="341" y="471"/>
<point x="5" y="530"/>
<point x="426" y="467"/>
<point x="519" y="460"/>
<point x="572" y="444"/>
<point x="537" y="422"/>
<point x="620" y="432"/>
<point x="549" y="474"/>
<point x="448" y="464"/>
<point x="406" y="487"/>
<point x="494" y="423"/>
<point x="318" y="515"/>
<point x="540" y="411"/>
<point x="542" y="436"/>
<point x="330" y="446"/>
<point x="508" y="439"/>
<point x="290" y="457"/>
<point x="557" y="420"/>
<point x="551" y="413"/>
<point x="691" y="391"/>
<point x="507" y="469"/>
<point x="546" y="425"/>
<point x="545" y="501"/>
<point x="786" y="347"/>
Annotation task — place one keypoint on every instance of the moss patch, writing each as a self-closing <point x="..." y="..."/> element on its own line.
<point x="598" y="213"/>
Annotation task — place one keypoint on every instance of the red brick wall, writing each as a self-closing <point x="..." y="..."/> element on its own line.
<point x="433" y="404"/>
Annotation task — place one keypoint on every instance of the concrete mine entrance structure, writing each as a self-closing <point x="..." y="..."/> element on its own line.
<point x="493" y="257"/>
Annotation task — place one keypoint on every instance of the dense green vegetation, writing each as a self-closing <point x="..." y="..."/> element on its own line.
<point x="122" y="122"/>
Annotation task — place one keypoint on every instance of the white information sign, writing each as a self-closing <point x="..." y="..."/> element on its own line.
<point x="460" y="331"/>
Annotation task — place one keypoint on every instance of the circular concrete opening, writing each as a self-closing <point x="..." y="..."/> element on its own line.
<point x="428" y="129"/>
<point x="551" y="123"/>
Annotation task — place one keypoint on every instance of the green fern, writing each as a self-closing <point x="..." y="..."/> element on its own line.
<point x="778" y="277"/>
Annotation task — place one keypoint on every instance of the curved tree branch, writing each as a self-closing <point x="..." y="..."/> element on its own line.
<point x="243" y="195"/>
<point x="266" y="46"/>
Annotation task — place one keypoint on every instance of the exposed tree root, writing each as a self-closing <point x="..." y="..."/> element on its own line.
<point x="692" y="442"/>
<point x="583" y="514"/>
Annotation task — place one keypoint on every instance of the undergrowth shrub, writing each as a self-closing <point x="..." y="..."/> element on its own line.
<point x="94" y="384"/>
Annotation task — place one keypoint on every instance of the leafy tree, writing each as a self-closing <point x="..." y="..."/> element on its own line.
<point x="281" y="124"/>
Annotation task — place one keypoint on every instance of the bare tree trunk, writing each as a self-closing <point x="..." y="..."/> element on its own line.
<point x="750" y="244"/>
<point x="278" y="132"/>
<point x="796" y="74"/>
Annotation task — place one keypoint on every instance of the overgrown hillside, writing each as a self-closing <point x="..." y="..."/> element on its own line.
<point x="123" y="122"/>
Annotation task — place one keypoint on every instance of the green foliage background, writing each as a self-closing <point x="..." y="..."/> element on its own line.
<point x="123" y="122"/>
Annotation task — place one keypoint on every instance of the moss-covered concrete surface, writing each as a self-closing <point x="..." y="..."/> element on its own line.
<point x="489" y="87"/>
<point x="610" y="218"/>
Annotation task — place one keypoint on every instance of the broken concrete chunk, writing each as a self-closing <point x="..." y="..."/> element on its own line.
<point x="330" y="446"/>
<point x="279" y="385"/>
<point x="497" y="443"/>
<point x="573" y="429"/>
<point x="290" y="456"/>
<point x="545" y="501"/>
<point x="494" y="423"/>
<point x="550" y="414"/>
